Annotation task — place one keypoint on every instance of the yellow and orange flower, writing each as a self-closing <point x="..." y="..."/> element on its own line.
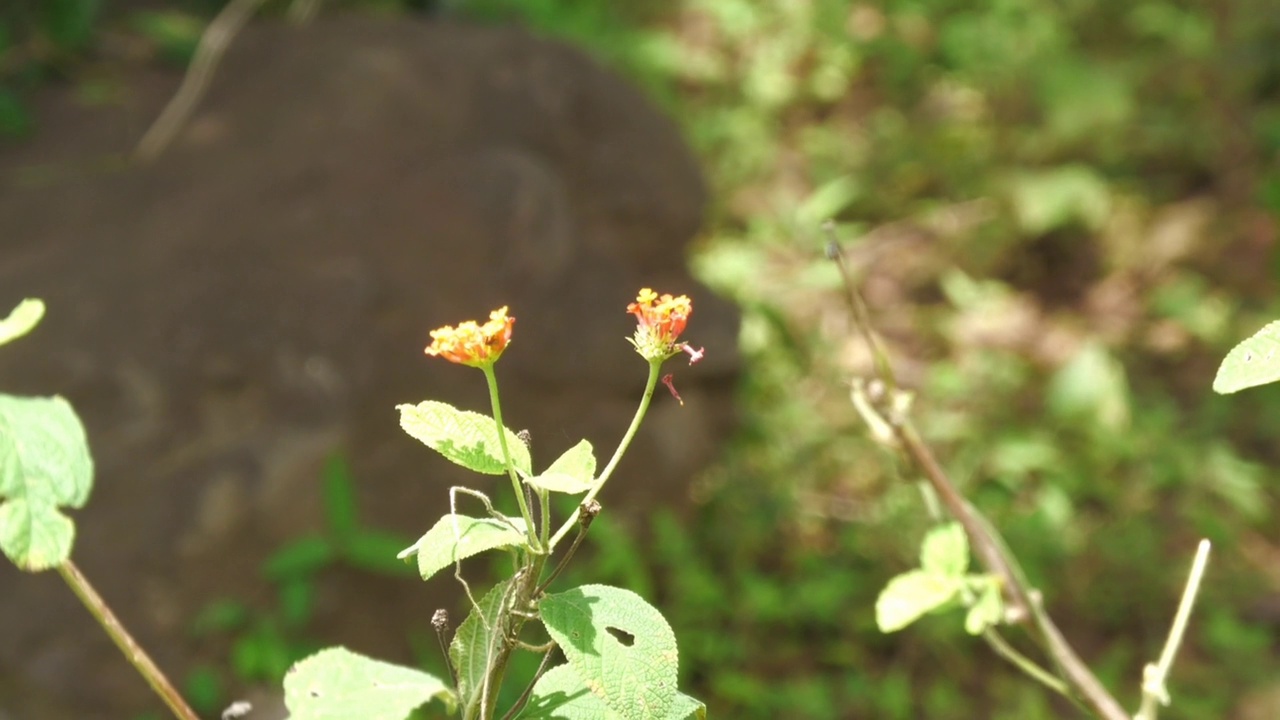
<point x="471" y="343"/>
<point x="659" y="321"/>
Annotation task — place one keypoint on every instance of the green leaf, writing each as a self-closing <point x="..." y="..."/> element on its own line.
<point x="375" y="551"/>
<point x="21" y="320"/>
<point x="44" y="464"/>
<point x="945" y="551"/>
<point x="1091" y="387"/>
<point x="573" y="472"/>
<point x="466" y="438"/>
<point x="988" y="610"/>
<point x="474" y="645"/>
<point x="15" y="119"/>
<point x="175" y="34"/>
<point x="69" y="23"/>
<point x="301" y="557"/>
<point x="1047" y="200"/>
<point x="458" y="537"/>
<point x="561" y="695"/>
<point x="337" y="684"/>
<point x="910" y="595"/>
<point x="1254" y="362"/>
<point x="619" y="645"/>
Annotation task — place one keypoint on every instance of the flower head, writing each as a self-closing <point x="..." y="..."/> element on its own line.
<point x="659" y="321"/>
<point x="473" y="344"/>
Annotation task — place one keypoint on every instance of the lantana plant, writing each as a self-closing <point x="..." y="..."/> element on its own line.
<point x="606" y="652"/>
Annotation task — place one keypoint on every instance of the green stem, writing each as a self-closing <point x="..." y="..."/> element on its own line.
<point x="123" y="640"/>
<point x="530" y="529"/>
<point x="544" y="528"/>
<point x="1153" y="689"/>
<point x="655" y="366"/>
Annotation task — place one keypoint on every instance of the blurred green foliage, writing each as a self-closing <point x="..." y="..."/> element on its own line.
<point x="1064" y="213"/>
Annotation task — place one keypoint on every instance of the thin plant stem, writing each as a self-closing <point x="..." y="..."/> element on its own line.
<point x="587" y="512"/>
<point x="1154" y="692"/>
<point x="1024" y="663"/>
<point x="655" y="366"/>
<point x="544" y="527"/>
<point x="985" y="542"/>
<point x="123" y="640"/>
<point x="530" y="529"/>
<point x="524" y="696"/>
<point x="213" y="43"/>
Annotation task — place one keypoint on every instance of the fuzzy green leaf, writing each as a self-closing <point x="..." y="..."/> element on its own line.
<point x="466" y="438"/>
<point x="619" y="645"/>
<point x="474" y="645"/>
<point x="561" y="695"/>
<point x="945" y="551"/>
<point x="912" y="594"/>
<point x="21" y="321"/>
<point x="573" y="472"/>
<point x="337" y="684"/>
<point x="457" y="537"/>
<point x="1254" y="362"/>
<point x="988" y="610"/>
<point x="44" y="465"/>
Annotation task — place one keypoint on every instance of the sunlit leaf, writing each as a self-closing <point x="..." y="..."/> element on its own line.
<point x="44" y="465"/>
<point x="21" y="321"/>
<point x="1254" y="362"/>
<point x="912" y="594"/>
<point x="467" y="438"/>
<point x="561" y="695"/>
<point x="458" y="537"/>
<point x="619" y="645"/>
<point x="945" y="551"/>
<point x="573" y="472"/>
<point x="337" y="684"/>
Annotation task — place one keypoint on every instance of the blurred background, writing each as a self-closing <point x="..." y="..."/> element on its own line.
<point x="1064" y="213"/>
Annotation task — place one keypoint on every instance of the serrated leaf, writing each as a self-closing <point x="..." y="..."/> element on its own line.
<point x="945" y="551"/>
<point x="446" y="542"/>
<point x="573" y="472"/>
<point x="44" y="465"/>
<point x="1254" y="362"/>
<point x="619" y="645"/>
<point x="561" y="695"/>
<point x="910" y="595"/>
<point x="464" y="437"/>
<point x="337" y="684"/>
<point x="474" y="645"/>
<point x="21" y="321"/>
<point x="988" y="610"/>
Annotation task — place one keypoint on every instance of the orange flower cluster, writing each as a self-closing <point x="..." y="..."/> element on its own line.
<point x="660" y="320"/>
<point x="473" y="344"/>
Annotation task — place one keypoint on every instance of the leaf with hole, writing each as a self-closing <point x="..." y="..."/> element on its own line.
<point x="466" y="438"/>
<point x="1254" y="362"/>
<point x="619" y="645"/>
<point x="458" y="537"/>
<point x="337" y="684"/>
<point x="44" y="465"/>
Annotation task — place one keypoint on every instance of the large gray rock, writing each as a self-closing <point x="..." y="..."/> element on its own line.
<point x="260" y="296"/>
